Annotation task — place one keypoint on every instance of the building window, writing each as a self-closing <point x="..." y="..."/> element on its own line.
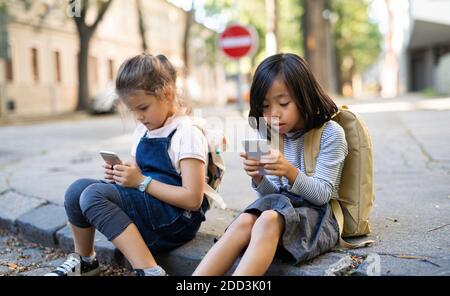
<point x="9" y="70"/>
<point x="34" y="64"/>
<point x="93" y="73"/>
<point x="110" y="69"/>
<point x="57" y="58"/>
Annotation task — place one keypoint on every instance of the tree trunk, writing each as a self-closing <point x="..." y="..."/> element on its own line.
<point x="142" y="26"/>
<point x="83" y="58"/>
<point x="317" y="40"/>
<point x="189" y="21"/>
<point x="338" y="77"/>
<point x="85" y="32"/>
<point x="187" y="28"/>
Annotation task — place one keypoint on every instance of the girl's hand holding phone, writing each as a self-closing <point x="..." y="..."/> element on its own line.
<point x="111" y="159"/>
<point x="127" y="175"/>
<point x="108" y="174"/>
<point x="251" y="167"/>
<point x="275" y="164"/>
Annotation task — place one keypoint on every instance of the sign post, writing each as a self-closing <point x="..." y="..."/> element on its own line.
<point x="236" y="42"/>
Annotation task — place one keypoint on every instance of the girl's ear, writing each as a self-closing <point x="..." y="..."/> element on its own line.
<point x="168" y="93"/>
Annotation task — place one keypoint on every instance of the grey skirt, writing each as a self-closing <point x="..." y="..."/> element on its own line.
<point x="309" y="230"/>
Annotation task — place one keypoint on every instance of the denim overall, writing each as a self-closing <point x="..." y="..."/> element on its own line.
<point x="161" y="225"/>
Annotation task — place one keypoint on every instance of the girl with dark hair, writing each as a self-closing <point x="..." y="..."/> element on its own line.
<point x="155" y="202"/>
<point x="292" y="217"/>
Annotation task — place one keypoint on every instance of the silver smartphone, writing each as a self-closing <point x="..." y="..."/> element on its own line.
<point x="110" y="158"/>
<point x="255" y="148"/>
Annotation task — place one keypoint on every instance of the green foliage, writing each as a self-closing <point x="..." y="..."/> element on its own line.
<point x="253" y="13"/>
<point x="3" y="7"/>
<point x="358" y="40"/>
<point x="247" y="13"/>
<point x="290" y="34"/>
<point x="216" y="7"/>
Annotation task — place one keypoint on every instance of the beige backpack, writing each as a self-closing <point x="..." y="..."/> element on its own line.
<point x="356" y="192"/>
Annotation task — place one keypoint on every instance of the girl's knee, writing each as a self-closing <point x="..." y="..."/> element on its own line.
<point x="75" y="189"/>
<point x="269" y="223"/>
<point x="73" y="192"/>
<point x="91" y="196"/>
<point x="243" y="223"/>
<point x="269" y="216"/>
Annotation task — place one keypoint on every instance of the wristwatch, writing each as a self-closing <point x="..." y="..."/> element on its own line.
<point x="144" y="184"/>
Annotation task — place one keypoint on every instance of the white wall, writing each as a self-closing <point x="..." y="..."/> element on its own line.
<point x="437" y="11"/>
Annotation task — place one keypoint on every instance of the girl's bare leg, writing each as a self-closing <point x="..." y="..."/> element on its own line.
<point x="225" y="251"/>
<point x="129" y="242"/>
<point x="265" y="236"/>
<point x="133" y="247"/>
<point x="83" y="239"/>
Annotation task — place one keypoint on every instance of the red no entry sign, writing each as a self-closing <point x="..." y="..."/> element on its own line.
<point x="237" y="41"/>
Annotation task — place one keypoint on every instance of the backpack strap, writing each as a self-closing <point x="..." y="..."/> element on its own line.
<point x="214" y="197"/>
<point x="312" y="146"/>
<point x="312" y="149"/>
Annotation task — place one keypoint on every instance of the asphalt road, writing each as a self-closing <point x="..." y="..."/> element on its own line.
<point x="411" y="214"/>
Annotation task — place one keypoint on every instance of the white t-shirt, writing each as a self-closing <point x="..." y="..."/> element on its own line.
<point x="187" y="142"/>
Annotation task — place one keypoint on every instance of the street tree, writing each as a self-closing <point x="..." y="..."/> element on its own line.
<point x="318" y="42"/>
<point x="290" y="37"/>
<point x="357" y="38"/>
<point x="141" y="25"/>
<point x="85" y="33"/>
<point x="188" y="23"/>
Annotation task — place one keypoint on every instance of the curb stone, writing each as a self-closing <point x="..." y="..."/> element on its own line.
<point x="13" y="205"/>
<point x="41" y="224"/>
<point x="46" y="223"/>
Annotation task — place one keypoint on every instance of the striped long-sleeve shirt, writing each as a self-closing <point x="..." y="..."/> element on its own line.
<point x="317" y="189"/>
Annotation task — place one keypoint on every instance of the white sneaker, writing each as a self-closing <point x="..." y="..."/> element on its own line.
<point x="75" y="266"/>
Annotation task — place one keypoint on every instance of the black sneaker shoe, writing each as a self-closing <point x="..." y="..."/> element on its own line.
<point x="74" y="266"/>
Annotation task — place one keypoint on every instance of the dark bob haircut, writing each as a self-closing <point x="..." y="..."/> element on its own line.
<point x="315" y="106"/>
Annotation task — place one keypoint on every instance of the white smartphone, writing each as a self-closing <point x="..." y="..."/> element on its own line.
<point x="255" y="148"/>
<point x="110" y="158"/>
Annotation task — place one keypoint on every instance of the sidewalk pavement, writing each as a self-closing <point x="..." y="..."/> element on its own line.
<point x="34" y="210"/>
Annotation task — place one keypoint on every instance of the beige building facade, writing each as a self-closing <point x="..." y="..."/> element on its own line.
<point x="40" y="77"/>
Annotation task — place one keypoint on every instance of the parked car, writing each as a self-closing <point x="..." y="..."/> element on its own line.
<point x="104" y="102"/>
